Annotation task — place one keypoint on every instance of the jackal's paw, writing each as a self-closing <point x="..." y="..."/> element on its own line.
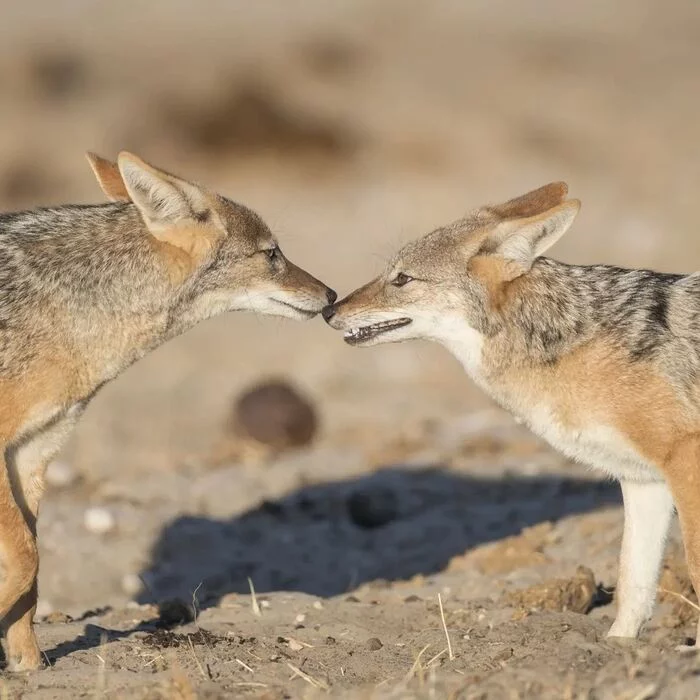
<point x="621" y="641"/>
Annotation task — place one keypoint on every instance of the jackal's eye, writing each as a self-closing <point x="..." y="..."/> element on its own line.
<point x="401" y="279"/>
<point x="272" y="253"/>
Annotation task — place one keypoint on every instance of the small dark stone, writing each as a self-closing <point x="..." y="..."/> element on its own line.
<point x="372" y="508"/>
<point x="503" y="655"/>
<point x="374" y="644"/>
<point x="330" y="640"/>
<point x="412" y="599"/>
<point x="352" y="599"/>
<point x="272" y="508"/>
<point x="275" y="414"/>
<point x="174" y="612"/>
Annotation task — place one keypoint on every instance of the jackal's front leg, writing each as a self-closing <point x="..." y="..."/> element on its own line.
<point x="648" y="510"/>
<point x="20" y="563"/>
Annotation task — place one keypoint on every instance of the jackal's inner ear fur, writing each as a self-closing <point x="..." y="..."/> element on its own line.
<point x="108" y="177"/>
<point x="173" y="209"/>
<point x="159" y="196"/>
<point x="522" y="240"/>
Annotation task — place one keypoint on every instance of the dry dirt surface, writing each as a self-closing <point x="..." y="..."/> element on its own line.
<point x="411" y="541"/>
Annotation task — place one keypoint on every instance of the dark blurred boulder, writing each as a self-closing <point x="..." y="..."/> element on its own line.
<point x="275" y="414"/>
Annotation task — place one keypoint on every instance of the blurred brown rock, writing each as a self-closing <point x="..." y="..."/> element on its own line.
<point x="274" y="414"/>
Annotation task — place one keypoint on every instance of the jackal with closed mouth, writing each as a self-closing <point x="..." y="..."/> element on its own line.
<point x="85" y="291"/>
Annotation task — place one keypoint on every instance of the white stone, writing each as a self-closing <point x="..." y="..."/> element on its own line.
<point x="132" y="584"/>
<point x="99" y="520"/>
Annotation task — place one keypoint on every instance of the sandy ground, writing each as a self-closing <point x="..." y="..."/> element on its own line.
<point x="351" y="127"/>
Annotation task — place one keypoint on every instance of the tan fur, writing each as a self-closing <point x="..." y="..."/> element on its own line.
<point x="597" y="383"/>
<point x="108" y="177"/>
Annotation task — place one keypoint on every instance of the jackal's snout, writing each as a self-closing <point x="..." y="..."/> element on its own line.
<point x="303" y="292"/>
<point x="366" y="318"/>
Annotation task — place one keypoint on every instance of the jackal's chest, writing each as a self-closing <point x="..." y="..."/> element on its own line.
<point x="589" y="441"/>
<point x="569" y="421"/>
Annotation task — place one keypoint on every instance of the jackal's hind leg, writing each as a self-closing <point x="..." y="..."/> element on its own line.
<point x="683" y="475"/>
<point x="26" y="467"/>
<point x="20" y="563"/>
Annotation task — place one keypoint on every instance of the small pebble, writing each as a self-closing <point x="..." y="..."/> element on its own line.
<point x="60" y="475"/>
<point x="330" y="641"/>
<point x="318" y="605"/>
<point x="132" y="584"/>
<point x="374" y="644"/>
<point x="174" y="612"/>
<point x="99" y="520"/>
<point x="294" y="645"/>
<point x="300" y="618"/>
<point x="503" y="655"/>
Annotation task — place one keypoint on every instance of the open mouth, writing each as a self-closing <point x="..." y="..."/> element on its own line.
<point x="355" y="336"/>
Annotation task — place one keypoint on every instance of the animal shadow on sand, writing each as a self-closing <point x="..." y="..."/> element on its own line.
<point x="326" y="539"/>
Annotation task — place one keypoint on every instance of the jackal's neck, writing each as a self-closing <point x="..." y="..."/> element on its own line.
<point x="556" y="307"/>
<point x="97" y="257"/>
<point x="546" y="312"/>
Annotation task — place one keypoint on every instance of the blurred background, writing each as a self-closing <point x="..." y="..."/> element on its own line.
<point x="351" y="127"/>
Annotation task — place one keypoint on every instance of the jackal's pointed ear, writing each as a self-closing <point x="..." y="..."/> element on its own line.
<point x="164" y="200"/>
<point x="108" y="177"/>
<point x="531" y="203"/>
<point x="522" y="240"/>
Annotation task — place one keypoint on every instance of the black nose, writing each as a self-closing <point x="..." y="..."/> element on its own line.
<point x="328" y="312"/>
<point x="331" y="296"/>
